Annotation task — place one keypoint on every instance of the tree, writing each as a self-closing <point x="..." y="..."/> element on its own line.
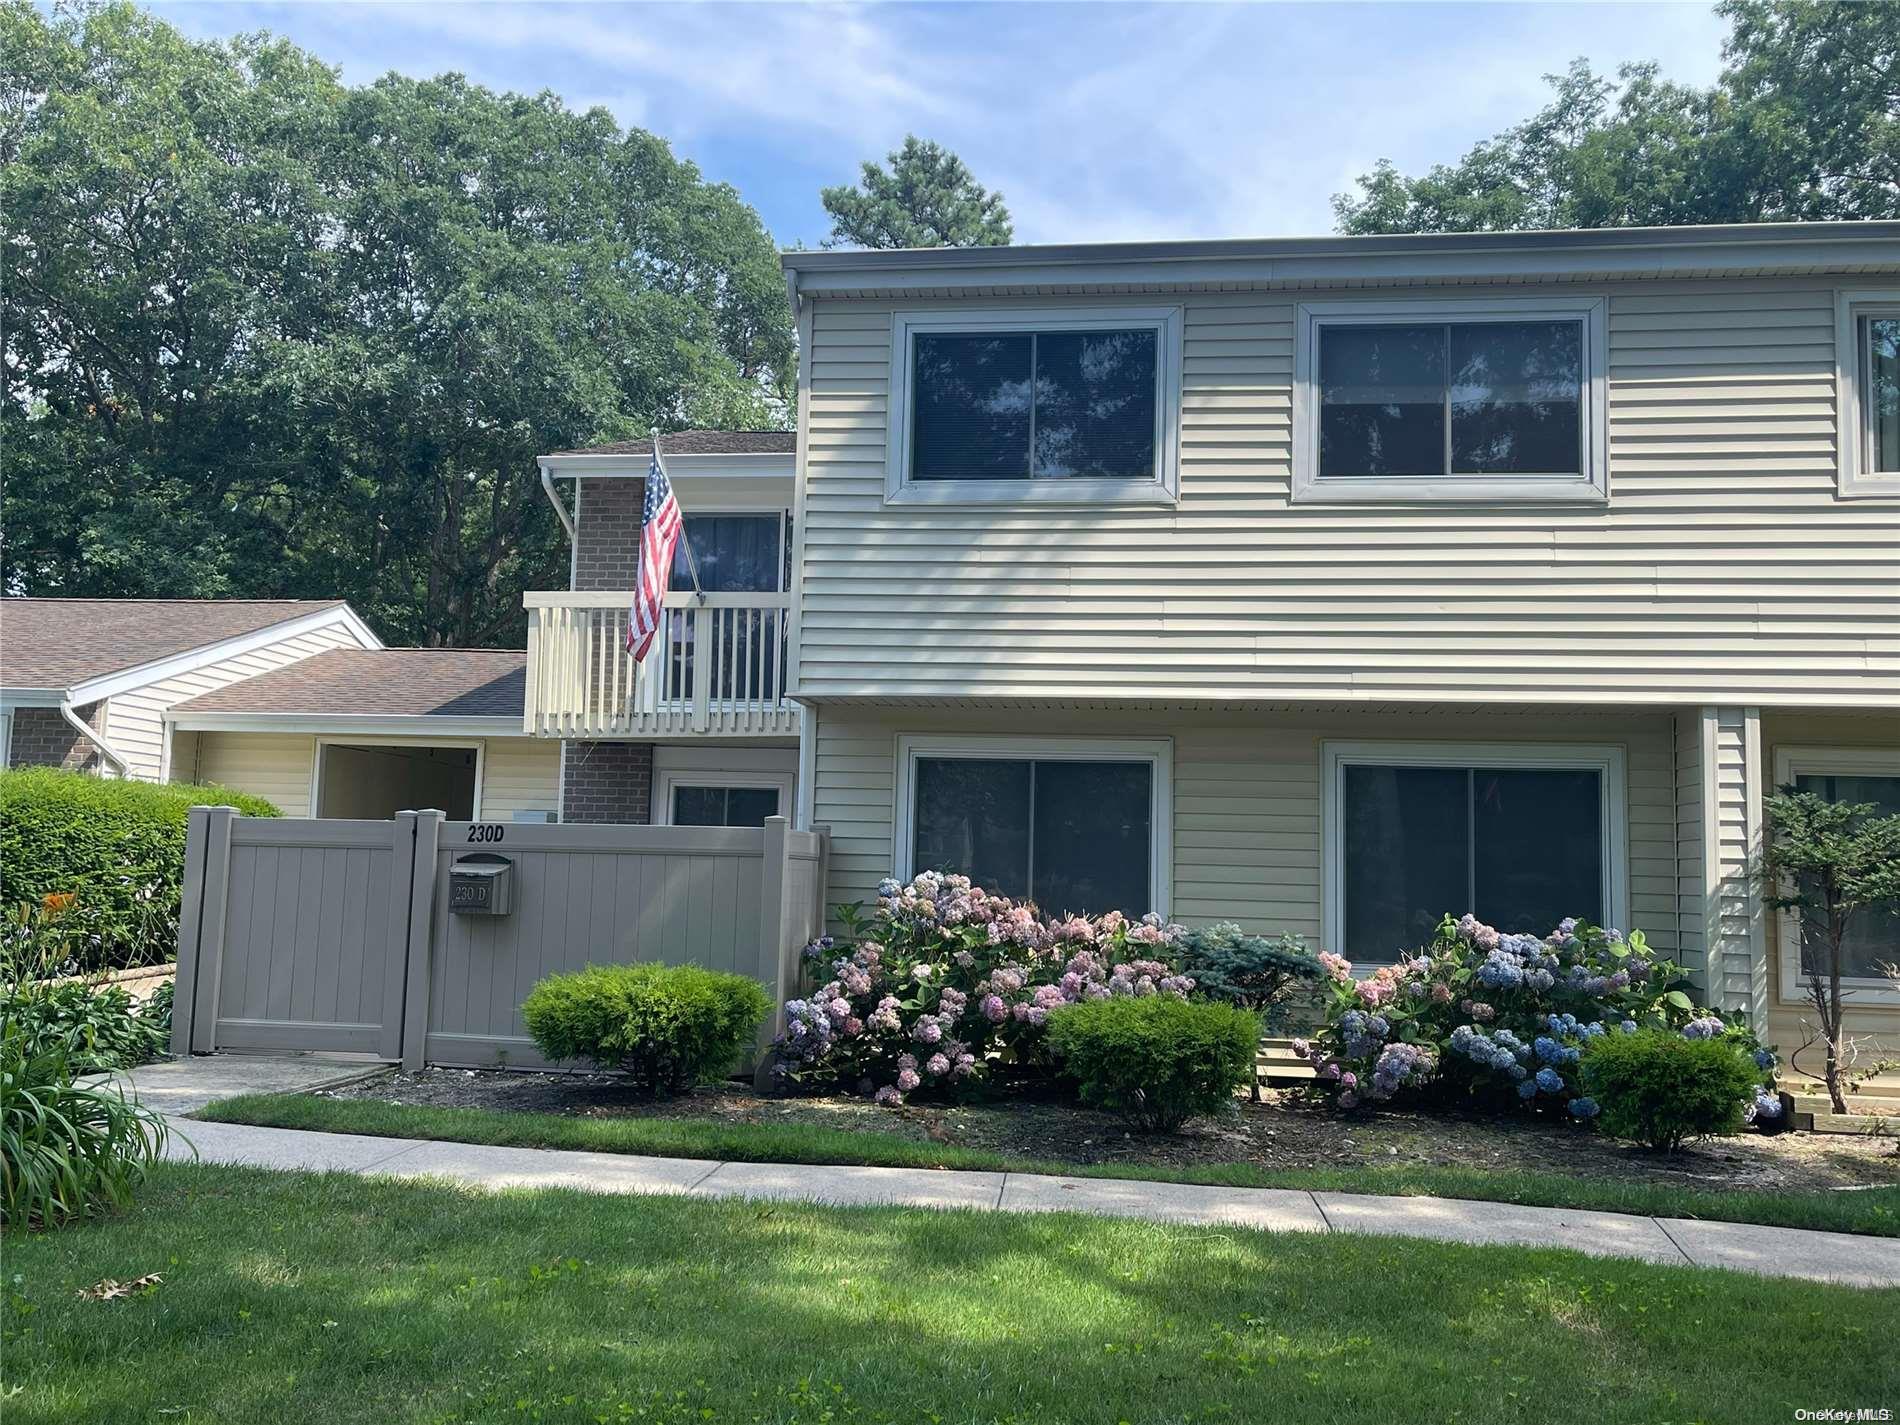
<point x="270" y="335"/>
<point x="928" y="198"/>
<point x="1827" y="861"/>
<point x="1804" y="123"/>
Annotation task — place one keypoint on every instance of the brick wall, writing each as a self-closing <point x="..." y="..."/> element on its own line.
<point x="607" y="542"/>
<point x="607" y="782"/>
<point x="42" y="738"/>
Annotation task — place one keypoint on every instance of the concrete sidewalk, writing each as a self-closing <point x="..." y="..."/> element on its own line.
<point x="1771" y="1251"/>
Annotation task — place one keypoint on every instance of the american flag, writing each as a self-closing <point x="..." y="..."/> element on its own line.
<point x="659" y="533"/>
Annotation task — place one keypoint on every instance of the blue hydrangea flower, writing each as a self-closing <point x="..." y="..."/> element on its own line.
<point x="1549" y="1080"/>
<point x="1584" y="1107"/>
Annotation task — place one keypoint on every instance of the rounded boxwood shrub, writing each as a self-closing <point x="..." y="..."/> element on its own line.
<point x="115" y="847"/>
<point x="666" y="1027"/>
<point x="1659" y="1088"/>
<point x="1155" y="1060"/>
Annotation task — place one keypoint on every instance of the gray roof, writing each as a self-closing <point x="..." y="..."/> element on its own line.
<point x="701" y="442"/>
<point x="383" y="682"/>
<point x="59" y="643"/>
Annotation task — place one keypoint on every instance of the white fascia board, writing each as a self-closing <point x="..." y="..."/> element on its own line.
<point x="634" y="465"/>
<point x="11" y="698"/>
<point x="423" y="727"/>
<point x="110" y="684"/>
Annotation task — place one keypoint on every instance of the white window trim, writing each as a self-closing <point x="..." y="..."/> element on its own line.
<point x="1162" y="488"/>
<point x="1157" y="752"/>
<point x="666" y="782"/>
<point x="1791" y="762"/>
<point x="1857" y="480"/>
<point x="414" y="744"/>
<point x="1590" y="485"/>
<point x="6" y="738"/>
<point x="1337" y="756"/>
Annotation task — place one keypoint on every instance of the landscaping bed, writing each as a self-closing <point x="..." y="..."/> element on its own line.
<point x="1281" y="1133"/>
<point x="258" y="1295"/>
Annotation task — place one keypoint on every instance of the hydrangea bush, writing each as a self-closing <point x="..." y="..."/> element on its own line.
<point x="946" y="983"/>
<point x="1505" y="1017"/>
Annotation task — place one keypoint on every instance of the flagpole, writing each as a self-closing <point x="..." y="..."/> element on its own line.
<point x="692" y="564"/>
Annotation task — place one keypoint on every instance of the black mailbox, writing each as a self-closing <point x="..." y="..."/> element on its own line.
<point x="481" y="883"/>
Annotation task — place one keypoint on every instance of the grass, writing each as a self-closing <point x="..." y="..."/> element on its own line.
<point x="335" y="1298"/>
<point x="1875" y="1211"/>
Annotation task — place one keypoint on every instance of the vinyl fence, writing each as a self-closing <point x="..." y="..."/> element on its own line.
<point x="340" y="936"/>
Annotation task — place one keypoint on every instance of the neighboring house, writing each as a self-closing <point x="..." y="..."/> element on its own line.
<point x="86" y="683"/>
<point x="1323" y="585"/>
<point x="366" y="733"/>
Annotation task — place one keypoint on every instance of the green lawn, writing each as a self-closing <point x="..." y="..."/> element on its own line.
<point x="1874" y="1211"/>
<point x="327" y="1298"/>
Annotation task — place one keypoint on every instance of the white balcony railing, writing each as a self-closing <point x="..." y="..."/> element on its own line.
<point x="716" y="668"/>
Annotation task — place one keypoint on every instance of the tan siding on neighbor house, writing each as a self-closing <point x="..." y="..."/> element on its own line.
<point x="135" y="721"/>
<point x="1724" y="567"/>
<point x="520" y="774"/>
<point x="274" y="765"/>
<point x="1247" y="796"/>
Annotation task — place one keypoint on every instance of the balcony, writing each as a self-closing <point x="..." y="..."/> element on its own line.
<point x="716" y="667"/>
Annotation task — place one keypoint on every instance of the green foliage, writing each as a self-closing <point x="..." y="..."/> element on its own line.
<point x="116" y="848"/>
<point x="1156" y="1060"/>
<point x="1659" y="1088"/>
<point x="927" y="198"/>
<point x="268" y="334"/>
<point x="66" y="1150"/>
<point x="666" y="1027"/>
<point x="1828" y="859"/>
<point x="93" y="1027"/>
<point x="1251" y="971"/>
<point x="1804" y="123"/>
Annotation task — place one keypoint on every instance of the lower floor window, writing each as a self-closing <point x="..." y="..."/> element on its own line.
<point x="723" y="806"/>
<point x="1072" y="833"/>
<point x="1872" y="939"/>
<point x="1520" y="847"/>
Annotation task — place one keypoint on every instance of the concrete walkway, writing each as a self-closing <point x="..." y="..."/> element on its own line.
<point x="1773" y="1251"/>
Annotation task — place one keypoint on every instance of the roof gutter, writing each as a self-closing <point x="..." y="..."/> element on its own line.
<point x="106" y="749"/>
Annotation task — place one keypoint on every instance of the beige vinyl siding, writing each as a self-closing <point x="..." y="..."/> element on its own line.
<point x="1692" y="899"/>
<point x="1732" y="908"/>
<point x="135" y="721"/>
<point x="1723" y="569"/>
<point x="1877" y="1025"/>
<point x="1247" y="795"/>
<point x="520" y="774"/>
<point x="277" y="766"/>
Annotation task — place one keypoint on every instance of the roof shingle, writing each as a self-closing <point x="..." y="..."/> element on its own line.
<point x="384" y="682"/>
<point x="58" y="643"/>
<point x="701" y="442"/>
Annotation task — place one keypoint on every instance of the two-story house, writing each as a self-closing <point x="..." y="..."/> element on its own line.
<point x="1324" y="585"/>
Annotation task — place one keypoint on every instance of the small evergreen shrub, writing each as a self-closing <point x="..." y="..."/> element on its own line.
<point x="666" y="1027"/>
<point x="108" y="854"/>
<point x="1155" y="1060"/>
<point x="1660" y="1088"/>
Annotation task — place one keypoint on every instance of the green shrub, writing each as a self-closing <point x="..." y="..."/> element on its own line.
<point x="116" y="846"/>
<point x="665" y="1026"/>
<point x="1659" y="1088"/>
<point x="95" y="1027"/>
<point x="1155" y="1060"/>
<point x="66" y="1150"/>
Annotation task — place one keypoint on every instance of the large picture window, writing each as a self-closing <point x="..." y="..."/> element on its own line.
<point x="1868" y="341"/>
<point x="1862" y="777"/>
<point x="1520" y="837"/>
<point x="1070" y="405"/>
<point x="1490" y="400"/>
<point x="1074" y="826"/>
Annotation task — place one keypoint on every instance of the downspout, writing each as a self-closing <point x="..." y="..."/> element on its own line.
<point x="547" y="488"/>
<point x="106" y="749"/>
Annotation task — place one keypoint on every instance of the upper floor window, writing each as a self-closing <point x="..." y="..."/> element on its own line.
<point x="737" y="554"/>
<point x="1490" y="400"/>
<point x="1068" y="406"/>
<point x="1868" y="341"/>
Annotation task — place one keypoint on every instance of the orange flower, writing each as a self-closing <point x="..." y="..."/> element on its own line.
<point x="57" y="902"/>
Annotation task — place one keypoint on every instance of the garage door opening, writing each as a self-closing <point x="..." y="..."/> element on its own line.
<point x="367" y="781"/>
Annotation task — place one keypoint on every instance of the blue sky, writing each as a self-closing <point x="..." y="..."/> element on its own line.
<point x="1097" y="122"/>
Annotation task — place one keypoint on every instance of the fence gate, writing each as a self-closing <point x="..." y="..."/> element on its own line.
<point x="292" y="934"/>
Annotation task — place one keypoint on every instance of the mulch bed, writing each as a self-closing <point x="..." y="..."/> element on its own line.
<point x="1281" y="1133"/>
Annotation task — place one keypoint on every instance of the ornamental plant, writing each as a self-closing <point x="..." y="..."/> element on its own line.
<point x="666" y="1027"/>
<point x="1250" y="972"/>
<point x="1156" y="1061"/>
<point x="945" y="985"/>
<point x="1506" y="1019"/>
<point x="1663" y="1089"/>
